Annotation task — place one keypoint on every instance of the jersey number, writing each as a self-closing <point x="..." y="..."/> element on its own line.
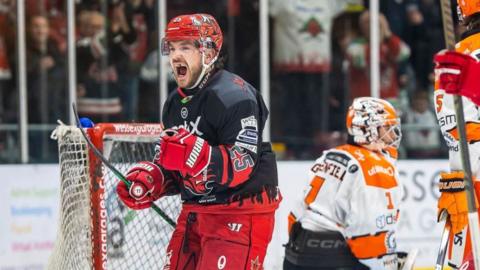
<point x="439" y="102"/>
<point x="389" y="199"/>
<point x="241" y="160"/>
<point x="316" y="184"/>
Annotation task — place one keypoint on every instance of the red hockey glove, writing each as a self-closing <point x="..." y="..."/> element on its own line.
<point x="458" y="73"/>
<point x="184" y="152"/>
<point x="147" y="186"/>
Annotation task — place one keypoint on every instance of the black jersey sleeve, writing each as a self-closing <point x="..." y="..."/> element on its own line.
<point x="239" y="138"/>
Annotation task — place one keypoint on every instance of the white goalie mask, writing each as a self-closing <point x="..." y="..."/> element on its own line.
<point x="373" y="123"/>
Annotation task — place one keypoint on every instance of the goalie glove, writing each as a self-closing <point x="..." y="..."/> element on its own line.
<point x="183" y="151"/>
<point x="458" y="73"/>
<point x="453" y="199"/>
<point x="147" y="185"/>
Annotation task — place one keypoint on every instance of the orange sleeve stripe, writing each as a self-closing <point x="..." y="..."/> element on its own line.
<point x="291" y="219"/>
<point x="368" y="246"/>
<point x="316" y="184"/>
<point x="472" y="130"/>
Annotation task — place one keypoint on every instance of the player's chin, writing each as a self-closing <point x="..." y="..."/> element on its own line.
<point x="182" y="81"/>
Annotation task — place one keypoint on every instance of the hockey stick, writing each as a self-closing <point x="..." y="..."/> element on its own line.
<point x="473" y="222"/>
<point x="442" y="251"/>
<point x="114" y="170"/>
<point x="410" y="260"/>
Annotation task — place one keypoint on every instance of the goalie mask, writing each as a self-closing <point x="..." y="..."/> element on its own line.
<point x="467" y="8"/>
<point x="373" y="123"/>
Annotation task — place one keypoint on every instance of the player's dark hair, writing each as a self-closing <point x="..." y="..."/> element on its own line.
<point x="473" y="22"/>
<point x="220" y="63"/>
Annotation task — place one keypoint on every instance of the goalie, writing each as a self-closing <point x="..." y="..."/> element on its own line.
<point x="348" y="216"/>
<point x="457" y="72"/>
<point x="212" y="153"/>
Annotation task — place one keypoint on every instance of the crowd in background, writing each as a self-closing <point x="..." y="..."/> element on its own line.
<point x="319" y="63"/>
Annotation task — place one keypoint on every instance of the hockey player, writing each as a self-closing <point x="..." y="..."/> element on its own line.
<point x="348" y="216"/>
<point x="212" y="153"/>
<point x="458" y="71"/>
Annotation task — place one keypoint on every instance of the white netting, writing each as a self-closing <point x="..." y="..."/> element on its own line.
<point x="135" y="239"/>
<point x="73" y="236"/>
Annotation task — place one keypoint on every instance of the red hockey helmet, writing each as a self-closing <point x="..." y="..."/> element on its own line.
<point x="467" y="8"/>
<point x="199" y="27"/>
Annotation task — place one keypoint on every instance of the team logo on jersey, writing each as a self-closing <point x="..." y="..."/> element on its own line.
<point x="201" y="184"/>
<point x="377" y="169"/>
<point x="184" y="112"/>
<point x="353" y="168"/>
<point x="385" y="220"/>
<point x="192" y="127"/>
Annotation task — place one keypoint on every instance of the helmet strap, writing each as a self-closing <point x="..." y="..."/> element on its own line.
<point x="205" y="68"/>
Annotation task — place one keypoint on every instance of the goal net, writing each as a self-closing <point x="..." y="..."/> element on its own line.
<point x="96" y="231"/>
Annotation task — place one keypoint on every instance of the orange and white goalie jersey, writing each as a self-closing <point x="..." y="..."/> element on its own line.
<point x="355" y="191"/>
<point x="445" y="110"/>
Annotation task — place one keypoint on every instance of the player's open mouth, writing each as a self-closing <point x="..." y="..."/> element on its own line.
<point x="181" y="71"/>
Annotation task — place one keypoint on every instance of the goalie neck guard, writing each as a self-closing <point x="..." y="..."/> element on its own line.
<point x="365" y="119"/>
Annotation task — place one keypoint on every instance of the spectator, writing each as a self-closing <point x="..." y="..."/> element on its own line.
<point x="7" y="154"/>
<point x="301" y="60"/>
<point x="392" y="52"/>
<point x="45" y="74"/>
<point x="399" y="15"/>
<point x="344" y="30"/>
<point x="422" y="137"/>
<point x="46" y="85"/>
<point x="53" y="10"/>
<point x="425" y="37"/>
<point x="126" y="51"/>
<point x="93" y="75"/>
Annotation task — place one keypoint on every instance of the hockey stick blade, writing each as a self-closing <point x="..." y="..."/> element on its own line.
<point x="113" y="169"/>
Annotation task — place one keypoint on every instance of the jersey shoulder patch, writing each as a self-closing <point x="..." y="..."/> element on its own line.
<point x="334" y="163"/>
<point x="338" y="157"/>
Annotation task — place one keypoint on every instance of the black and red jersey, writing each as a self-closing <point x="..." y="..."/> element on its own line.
<point x="230" y="115"/>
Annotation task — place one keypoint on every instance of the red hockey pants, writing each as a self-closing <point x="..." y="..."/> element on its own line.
<point x="204" y="241"/>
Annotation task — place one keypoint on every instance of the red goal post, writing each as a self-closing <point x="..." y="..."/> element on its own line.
<point x="95" y="230"/>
